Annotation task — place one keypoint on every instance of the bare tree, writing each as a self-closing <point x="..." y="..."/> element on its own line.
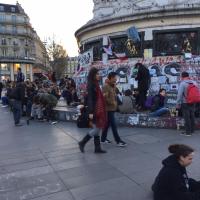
<point x="58" y="58"/>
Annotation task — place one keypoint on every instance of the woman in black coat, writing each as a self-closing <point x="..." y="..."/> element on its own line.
<point x="172" y="182"/>
<point x="96" y="109"/>
<point x="144" y="80"/>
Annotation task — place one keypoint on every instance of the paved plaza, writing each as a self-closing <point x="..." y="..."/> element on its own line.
<point x="42" y="161"/>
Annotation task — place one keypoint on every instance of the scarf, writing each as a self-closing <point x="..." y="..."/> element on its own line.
<point x="100" y="109"/>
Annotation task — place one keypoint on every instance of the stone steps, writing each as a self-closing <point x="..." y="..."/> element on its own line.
<point x="130" y="120"/>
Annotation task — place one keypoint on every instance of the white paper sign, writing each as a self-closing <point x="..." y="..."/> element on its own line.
<point x="85" y="58"/>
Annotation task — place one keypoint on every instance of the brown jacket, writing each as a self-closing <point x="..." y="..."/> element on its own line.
<point x="109" y="93"/>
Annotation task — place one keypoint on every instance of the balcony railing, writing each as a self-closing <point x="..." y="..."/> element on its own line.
<point x="11" y="21"/>
<point x="17" y="58"/>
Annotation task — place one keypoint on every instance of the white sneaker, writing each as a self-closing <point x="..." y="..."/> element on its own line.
<point x="121" y="144"/>
<point x="106" y="142"/>
<point x="54" y="122"/>
<point x="4" y="106"/>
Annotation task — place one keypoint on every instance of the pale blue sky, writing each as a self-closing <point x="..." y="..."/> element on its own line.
<point x="60" y="18"/>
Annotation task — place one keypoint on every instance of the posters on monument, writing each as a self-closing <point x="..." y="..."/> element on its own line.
<point x="85" y="59"/>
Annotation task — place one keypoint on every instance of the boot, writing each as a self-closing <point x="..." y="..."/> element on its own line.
<point x="83" y="142"/>
<point x="97" y="145"/>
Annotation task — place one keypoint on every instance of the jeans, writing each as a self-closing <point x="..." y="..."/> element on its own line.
<point x="17" y="110"/>
<point x="189" y="118"/>
<point x="112" y="123"/>
<point x="4" y="101"/>
<point x="159" y="112"/>
<point x="95" y="131"/>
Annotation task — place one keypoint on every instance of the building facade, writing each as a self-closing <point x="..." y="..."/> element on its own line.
<point x="72" y="64"/>
<point x="168" y="42"/>
<point x="20" y="45"/>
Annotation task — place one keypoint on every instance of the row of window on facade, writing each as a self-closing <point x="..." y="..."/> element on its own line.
<point x="13" y="18"/>
<point x="9" y="70"/>
<point x="13" y="30"/>
<point x="14" y="53"/>
<point x="164" y="43"/>
<point x="5" y="67"/>
<point x="12" y="9"/>
<point x="15" y="41"/>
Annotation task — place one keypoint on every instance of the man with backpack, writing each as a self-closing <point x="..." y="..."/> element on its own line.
<point x="188" y="95"/>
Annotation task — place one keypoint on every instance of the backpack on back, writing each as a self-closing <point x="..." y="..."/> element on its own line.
<point x="193" y="94"/>
<point x="149" y="102"/>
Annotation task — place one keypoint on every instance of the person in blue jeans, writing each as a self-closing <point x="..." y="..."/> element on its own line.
<point x="17" y="96"/>
<point x="109" y="92"/>
<point x="158" y="108"/>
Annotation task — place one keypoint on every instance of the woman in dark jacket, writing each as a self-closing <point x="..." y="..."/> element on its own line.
<point x="172" y="182"/>
<point x="96" y="109"/>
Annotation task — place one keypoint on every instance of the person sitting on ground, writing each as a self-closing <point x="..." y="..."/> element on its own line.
<point x="172" y="182"/>
<point x="48" y="102"/>
<point x="128" y="103"/>
<point x="36" y="110"/>
<point x="158" y="101"/>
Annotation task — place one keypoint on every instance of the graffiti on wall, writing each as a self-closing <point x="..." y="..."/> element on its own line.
<point x="165" y="73"/>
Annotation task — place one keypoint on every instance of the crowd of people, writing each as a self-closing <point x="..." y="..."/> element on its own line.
<point x="36" y="99"/>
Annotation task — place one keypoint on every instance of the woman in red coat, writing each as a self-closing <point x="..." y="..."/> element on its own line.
<point x="96" y="109"/>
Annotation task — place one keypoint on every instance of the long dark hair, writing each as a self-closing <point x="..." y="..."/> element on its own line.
<point x="180" y="150"/>
<point x="92" y="75"/>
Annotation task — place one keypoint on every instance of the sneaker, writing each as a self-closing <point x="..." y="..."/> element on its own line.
<point x="121" y="144"/>
<point x="185" y="134"/>
<point x="106" y="142"/>
<point x="4" y="106"/>
<point x="54" y="122"/>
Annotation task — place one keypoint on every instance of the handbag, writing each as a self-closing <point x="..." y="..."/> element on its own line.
<point x="83" y="120"/>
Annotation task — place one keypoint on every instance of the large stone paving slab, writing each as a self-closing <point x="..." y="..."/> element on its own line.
<point x="143" y="139"/>
<point x="66" y="195"/>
